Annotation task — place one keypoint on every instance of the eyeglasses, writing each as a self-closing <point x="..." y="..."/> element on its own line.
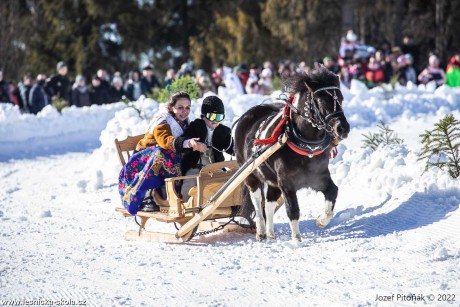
<point x="216" y="117"/>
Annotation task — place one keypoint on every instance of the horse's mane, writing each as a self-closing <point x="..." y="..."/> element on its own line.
<point x="315" y="78"/>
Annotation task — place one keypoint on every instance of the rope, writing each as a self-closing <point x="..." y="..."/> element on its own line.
<point x="140" y="227"/>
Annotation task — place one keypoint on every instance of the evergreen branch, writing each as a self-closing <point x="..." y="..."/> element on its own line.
<point x="442" y="140"/>
<point x="384" y="136"/>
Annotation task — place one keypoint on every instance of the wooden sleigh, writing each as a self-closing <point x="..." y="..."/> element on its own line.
<point x="214" y="197"/>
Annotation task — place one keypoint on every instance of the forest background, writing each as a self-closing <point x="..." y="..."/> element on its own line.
<point x="120" y="35"/>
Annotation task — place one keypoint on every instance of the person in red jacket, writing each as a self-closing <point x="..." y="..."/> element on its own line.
<point x="453" y="71"/>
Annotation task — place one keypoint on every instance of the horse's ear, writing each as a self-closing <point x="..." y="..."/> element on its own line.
<point x="318" y="65"/>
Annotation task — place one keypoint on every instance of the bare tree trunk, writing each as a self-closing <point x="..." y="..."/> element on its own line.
<point x="441" y="35"/>
<point x="348" y="7"/>
<point x="362" y="27"/>
<point x="186" y="30"/>
<point x="398" y="15"/>
<point x="11" y="35"/>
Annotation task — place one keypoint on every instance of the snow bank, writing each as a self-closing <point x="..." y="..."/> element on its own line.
<point x="51" y="132"/>
<point x="370" y="106"/>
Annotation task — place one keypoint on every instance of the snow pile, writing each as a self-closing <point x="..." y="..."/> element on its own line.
<point x="370" y="106"/>
<point x="51" y="132"/>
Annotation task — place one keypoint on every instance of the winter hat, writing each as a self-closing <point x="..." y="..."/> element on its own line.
<point x="60" y="65"/>
<point x="409" y="56"/>
<point x="79" y="79"/>
<point x="351" y="36"/>
<point x="212" y="104"/>
<point x="147" y="67"/>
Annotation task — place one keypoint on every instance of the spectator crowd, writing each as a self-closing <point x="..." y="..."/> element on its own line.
<point x="371" y="65"/>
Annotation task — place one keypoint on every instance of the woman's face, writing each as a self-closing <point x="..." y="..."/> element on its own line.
<point x="434" y="62"/>
<point x="182" y="109"/>
<point x="211" y="124"/>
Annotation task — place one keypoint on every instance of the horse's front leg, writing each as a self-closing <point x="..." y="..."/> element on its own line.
<point x="293" y="212"/>
<point x="256" y="198"/>
<point x="330" y="196"/>
<point x="271" y="201"/>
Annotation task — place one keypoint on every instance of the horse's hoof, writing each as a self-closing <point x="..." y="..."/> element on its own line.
<point x="270" y="236"/>
<point x="297" y="238"/>
<point x="322" y="222"/>
<point x="261" y="237"/>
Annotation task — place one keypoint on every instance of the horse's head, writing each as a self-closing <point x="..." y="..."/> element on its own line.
<point x="319" y="101"/>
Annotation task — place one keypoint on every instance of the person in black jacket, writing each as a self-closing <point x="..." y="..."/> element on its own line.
<point x="148" y="80"/>
<point x="99" y="95"/>
<point x="116" y="90"/>
<point x="59" y="86"/>
<point x="133" y="86"/>
<point x="5" y="95"/>
<point x="211" y="132"/>
<point x="24" y="89"/>
<point x="38" y="98"/>
<point x="81" y="96"/>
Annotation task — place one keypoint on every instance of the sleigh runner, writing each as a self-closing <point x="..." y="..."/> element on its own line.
<point x="215" y="196"/>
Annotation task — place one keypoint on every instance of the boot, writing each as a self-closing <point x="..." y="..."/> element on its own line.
<point x="148" y="205"/>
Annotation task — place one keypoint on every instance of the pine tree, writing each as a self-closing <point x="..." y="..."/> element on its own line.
<point x="235" y="34"/>
<point x="184" y="84"/>
<point x="442" y="145"/>
<point x="384" y="136"/>
<point x="88" y="35"/>
<point x="14" y="25"/>
<point x="309" y="29"/>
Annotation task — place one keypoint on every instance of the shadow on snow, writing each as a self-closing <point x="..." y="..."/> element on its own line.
<point x="421" y="209"/>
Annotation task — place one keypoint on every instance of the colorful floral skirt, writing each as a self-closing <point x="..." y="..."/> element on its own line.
<point x="146" y="170"/>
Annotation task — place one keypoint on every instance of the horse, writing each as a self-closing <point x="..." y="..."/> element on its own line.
<point x="314" y="123"/>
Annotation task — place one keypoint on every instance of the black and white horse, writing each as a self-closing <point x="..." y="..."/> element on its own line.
<point x="314" y="123"/>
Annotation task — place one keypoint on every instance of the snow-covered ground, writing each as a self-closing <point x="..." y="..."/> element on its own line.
<point x="395" y="231"/>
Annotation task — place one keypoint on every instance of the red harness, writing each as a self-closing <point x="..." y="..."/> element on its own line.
<point x="279" y="129"/>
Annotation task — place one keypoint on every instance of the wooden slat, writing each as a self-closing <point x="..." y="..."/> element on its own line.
<point x="159" y="216"/>
<point x="233" y="165"/>
<point x="133" y="235"/>
<point x="126" y="146"/>
<point x="181" y="177"/>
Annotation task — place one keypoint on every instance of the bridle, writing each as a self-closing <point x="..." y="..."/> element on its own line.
<point x="312" y="113"/>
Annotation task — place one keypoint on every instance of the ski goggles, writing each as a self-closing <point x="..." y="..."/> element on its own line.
<point x="216" y="117"/>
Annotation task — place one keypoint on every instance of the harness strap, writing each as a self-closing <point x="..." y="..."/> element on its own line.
<point x="278" y="129"/>
<point x="303" y="152"/>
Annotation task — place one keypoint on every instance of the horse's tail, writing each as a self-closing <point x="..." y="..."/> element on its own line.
<point x="246" y="208"/>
